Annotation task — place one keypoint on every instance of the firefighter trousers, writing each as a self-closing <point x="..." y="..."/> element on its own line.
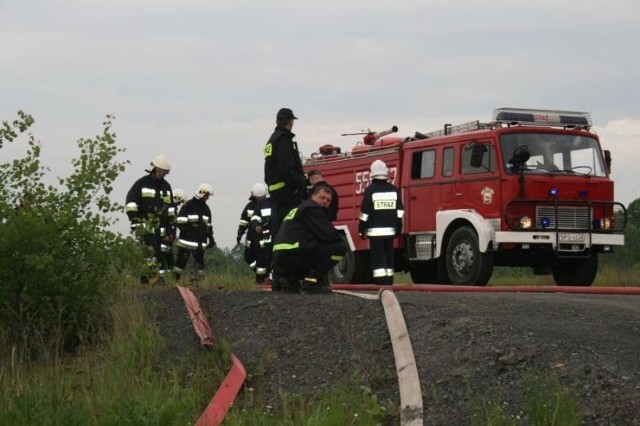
<point x="382" y="261"/>
<point x="298" y="264"/>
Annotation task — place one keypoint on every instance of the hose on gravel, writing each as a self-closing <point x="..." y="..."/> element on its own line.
<point x="408" y="378"/>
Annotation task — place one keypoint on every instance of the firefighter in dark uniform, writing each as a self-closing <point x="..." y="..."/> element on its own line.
<point x="307" y="246"/>
<point x="263" y="226"/>
<point x="196" y="231"/>
<point x="283" y="172"/>
<point x="167" y="247"/>
<point x="314" y="177"/>
<point x="250" y="241"/>
<point x="381" y="216"/>
<point x="147" y="206"/>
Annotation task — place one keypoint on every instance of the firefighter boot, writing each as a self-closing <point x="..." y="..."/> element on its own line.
<point x="275" y="284"/>
<point x="289" y="284"/>
<point x="312" y="284"/>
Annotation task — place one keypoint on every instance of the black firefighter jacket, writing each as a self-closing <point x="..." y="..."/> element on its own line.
<point x="149" y="201"/>
<point x="381" y="211"/>
<point x="283" y="171"/>
<point x="304" y="228"/>
<point x="194" y="223"/>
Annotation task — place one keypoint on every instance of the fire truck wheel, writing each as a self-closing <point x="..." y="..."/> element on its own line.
<point x="343" y="272"/>
<point x="354" y="268"/>
<point x="576" y="272"/>
<point x="466" y="265"/>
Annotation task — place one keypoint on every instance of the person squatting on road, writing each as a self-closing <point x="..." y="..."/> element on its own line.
<point x="167" y="248"/>
<point x="250" y="241"/>
<point x="147" y="207"/>
<point x="381" y="216"/>
<point x="263" y="226"/>
<point x="196" y="231"/>
<point x="314" y="177"/>
<point x="307" y="246"/>
<point x="283" y="171"/>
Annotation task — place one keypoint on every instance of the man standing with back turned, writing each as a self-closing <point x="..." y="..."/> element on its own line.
<point x="283" y="171"/>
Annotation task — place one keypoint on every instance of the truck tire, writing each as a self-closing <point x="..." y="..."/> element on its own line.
<point x="576" y="272"/>
<point x="354" y="268"/>
<point x="466" y="265"/>
<point x="342" y="272"/>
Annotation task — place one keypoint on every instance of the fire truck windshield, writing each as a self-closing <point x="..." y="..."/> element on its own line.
<point x="552" y="154"/>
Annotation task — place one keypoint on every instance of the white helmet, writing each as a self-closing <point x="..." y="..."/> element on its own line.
<point x="161" y="161"/>
<point x="203" y="189"/>
<point x="379" y="170"/>
<point x="178" y="196"/>
<point x="259" y="190"/>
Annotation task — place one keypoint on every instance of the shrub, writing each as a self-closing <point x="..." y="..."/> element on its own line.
<point x="57" y="276"/>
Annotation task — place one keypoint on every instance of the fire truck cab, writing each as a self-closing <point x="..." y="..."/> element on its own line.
<point x="530" y="188"/>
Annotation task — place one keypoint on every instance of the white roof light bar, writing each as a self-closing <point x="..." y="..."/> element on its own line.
<point x="541" y="117"/>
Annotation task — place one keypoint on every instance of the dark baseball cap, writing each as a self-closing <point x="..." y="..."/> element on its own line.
<point x="286" y="114"/>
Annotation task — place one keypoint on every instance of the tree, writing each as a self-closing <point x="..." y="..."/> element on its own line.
<point x="633" y="213"/>
<point x="61" y="267"/>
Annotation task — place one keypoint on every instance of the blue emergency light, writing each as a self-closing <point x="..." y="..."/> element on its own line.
<point x="542" y="117"/>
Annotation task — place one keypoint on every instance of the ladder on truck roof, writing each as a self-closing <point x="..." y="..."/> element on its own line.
<point x="520" y="117"/>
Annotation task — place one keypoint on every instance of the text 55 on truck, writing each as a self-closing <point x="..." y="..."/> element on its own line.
<point x="530" y="188"/>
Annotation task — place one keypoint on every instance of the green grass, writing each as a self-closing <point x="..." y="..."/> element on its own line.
<point x="121" y="381"/>
<point x="544" y="403"/>
<point x="351" y="405"/>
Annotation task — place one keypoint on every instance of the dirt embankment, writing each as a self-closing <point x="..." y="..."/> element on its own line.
<point x="469" y="348"/>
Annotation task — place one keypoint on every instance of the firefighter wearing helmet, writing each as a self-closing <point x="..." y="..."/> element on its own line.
<point x="167" y="248"/>
<point x="251" y="241"/>
<point x="196" y="231"/>
<point x="147" y="205"/>
<point x="381" y="216"/>
<point x="262" y="228"/>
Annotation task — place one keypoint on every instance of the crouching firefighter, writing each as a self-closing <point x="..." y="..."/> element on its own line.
<point x="307" y="246"/>
<point x="196" y="232"/>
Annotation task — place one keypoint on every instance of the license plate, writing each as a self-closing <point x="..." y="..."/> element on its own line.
<point x="569" y="237"/>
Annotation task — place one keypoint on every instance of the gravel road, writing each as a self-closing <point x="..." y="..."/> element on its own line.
<point x="469" y="347"/>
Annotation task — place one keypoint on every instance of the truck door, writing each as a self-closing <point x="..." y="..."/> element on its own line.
<point x="478" y="183"/>
<point x="423" y="197"/>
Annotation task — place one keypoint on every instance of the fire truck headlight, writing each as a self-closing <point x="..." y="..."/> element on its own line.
<point x="545" y="222"/>
<point x="525" y="222"/>
<point x="553" y="192"/>
<point x="605" y="223"/>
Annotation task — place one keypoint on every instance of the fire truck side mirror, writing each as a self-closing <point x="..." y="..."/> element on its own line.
<point x="477" y="154"/>
<point x="607" y="160"/>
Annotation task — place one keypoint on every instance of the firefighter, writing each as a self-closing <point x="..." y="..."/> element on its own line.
<point x="196" y="231"/>
<point x="283" y="172"/>
<point x="307" y="246"/>
<point x="250" y="241"/>
<point x="263" y="227"/>
<point x="381" y="216"/>
<point x="147" y="206"/>
<point x="314" y="177"/>
<point x="167" y="248"/>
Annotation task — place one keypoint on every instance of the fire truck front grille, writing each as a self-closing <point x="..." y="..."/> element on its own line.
<point x="567" y="217"/>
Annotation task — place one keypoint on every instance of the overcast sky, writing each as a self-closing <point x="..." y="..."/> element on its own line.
<point x="201" y="81"/>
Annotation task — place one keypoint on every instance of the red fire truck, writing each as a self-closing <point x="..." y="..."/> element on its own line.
<point x="530" y="188"/>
